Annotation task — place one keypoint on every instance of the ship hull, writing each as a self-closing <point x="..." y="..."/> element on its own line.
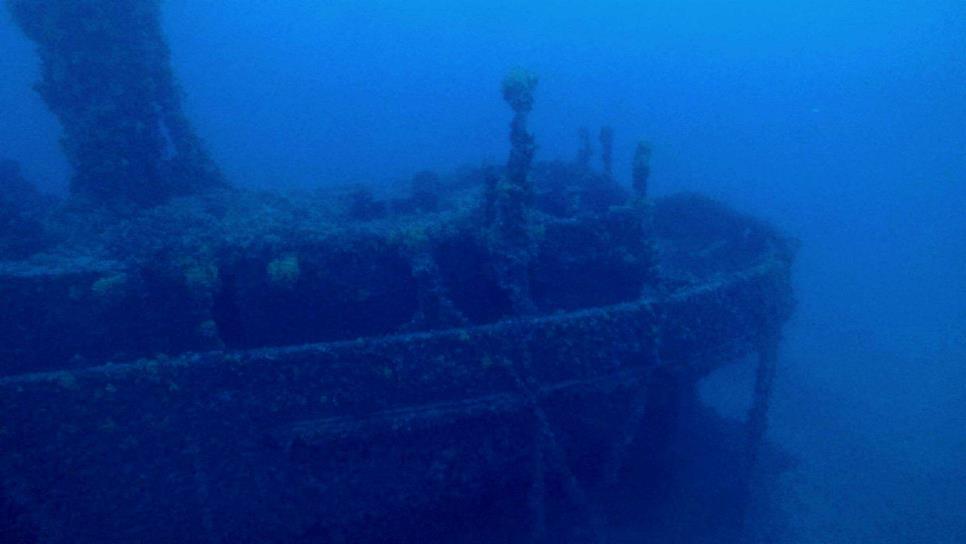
<point x="267" y="445"/>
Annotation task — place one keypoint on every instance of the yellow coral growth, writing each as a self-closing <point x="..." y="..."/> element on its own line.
<point x="284" y="271"/>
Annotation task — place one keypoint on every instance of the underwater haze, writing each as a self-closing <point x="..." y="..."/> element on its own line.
<point x="843" y="123"/>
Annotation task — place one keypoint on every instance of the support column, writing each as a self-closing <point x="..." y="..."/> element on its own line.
<point x="757" y="425"/>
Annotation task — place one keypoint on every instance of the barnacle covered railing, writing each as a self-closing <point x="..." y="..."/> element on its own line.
<point x="357" y="435"/>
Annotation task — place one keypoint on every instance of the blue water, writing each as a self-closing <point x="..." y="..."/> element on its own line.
<point x="844" y="123"/>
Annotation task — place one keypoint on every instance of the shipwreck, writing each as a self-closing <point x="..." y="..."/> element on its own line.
<point x="186" y="361"/>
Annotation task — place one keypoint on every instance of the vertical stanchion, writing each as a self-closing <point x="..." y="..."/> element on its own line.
<point x="757" y="423"/>
<point x="758" y="414"/>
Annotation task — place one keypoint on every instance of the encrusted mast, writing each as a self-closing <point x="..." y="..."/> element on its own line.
<point x="106" y="75"/>
<point x="515" y="194"/>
